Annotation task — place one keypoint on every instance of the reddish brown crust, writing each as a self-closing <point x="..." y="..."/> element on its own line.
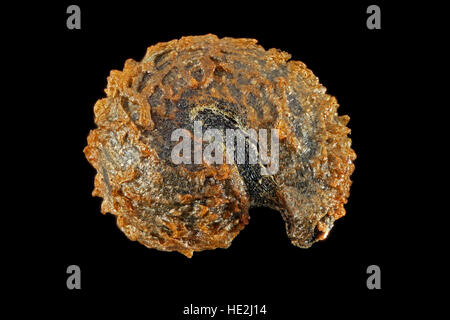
<point x="175" y="209"/>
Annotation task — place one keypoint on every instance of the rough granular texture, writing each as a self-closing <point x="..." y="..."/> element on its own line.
<point x="225" y="83"/>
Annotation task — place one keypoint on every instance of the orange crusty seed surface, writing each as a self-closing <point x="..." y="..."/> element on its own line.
<point x="224" y="83"/>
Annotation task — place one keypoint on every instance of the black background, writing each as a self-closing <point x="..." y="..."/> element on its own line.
<point x="357" y="65"/>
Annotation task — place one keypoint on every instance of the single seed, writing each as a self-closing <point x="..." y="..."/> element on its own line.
<point x="235" y="84"/>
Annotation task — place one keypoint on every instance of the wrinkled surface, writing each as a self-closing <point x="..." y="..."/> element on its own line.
<point x="194" y="207"/>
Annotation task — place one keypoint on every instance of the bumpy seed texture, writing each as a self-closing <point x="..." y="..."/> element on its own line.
<point x="225" y="83"/>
